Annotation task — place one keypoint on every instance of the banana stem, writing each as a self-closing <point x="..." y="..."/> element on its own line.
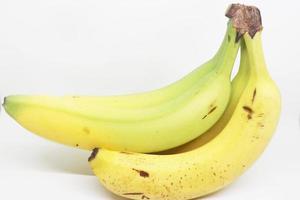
<point x="230" y="47"/>
<point x="255" y="54"/>
<point x="223" y="46"/>
<point x="244" y="68"/>
<point x="246" y="22"/>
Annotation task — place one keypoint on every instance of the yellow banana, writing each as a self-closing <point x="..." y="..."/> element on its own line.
<point x="219" y="161"/>
<point x="152" y="122"/>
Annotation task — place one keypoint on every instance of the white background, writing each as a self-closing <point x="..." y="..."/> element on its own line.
<point x="123" y="46"/>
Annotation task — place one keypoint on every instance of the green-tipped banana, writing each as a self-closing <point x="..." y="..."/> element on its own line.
<point x="147" y="122"/>
<point x="216" y="162"/>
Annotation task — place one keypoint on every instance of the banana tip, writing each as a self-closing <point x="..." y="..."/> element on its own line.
<point x="4" y="103"/>
<point x="94" y="154"/>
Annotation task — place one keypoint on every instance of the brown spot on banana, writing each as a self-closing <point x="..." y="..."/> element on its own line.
<point x="254" y="95"/>
<point x="86" y="130"/>
<point x="210" y="111"/>
<point x="145" y="197"/>
<point x="137" y="193"/>
<point x="167" y="188"/>
<point x="142" y="173"/>
<point x="125" y="152"/>
<point x="249" y="111"/>
<point x="133" y="193"/>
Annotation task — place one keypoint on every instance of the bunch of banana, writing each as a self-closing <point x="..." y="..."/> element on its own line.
<point x="204" y="131"/>
<point x="219" y="156"/>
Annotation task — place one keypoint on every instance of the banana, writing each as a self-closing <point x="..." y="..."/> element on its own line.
<point x="238" y="85"/>
<point x="218" y="161"/>
<point x="152" y="122"/>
